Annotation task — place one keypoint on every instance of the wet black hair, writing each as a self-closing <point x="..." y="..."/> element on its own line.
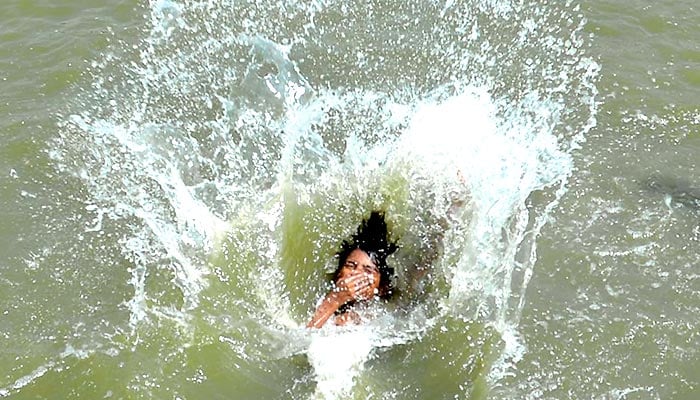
<point x="372" y="237"/>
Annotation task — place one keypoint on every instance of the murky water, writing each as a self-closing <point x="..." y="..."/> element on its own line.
<point x="178" y="175"/>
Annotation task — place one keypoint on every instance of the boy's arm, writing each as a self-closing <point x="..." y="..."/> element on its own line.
<point x="329" y="305"/>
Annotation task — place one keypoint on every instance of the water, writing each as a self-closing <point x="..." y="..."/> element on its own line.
<point x="178" y="176"/>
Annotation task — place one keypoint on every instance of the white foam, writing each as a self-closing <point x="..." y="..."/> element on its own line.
<point x="454" y="135"/>
<point x="338" y="357"/>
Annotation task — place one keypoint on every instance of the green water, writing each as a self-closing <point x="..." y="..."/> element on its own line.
<point x="610" y="311"/>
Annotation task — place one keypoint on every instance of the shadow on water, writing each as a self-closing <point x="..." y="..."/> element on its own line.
<point x="676" y="191"/>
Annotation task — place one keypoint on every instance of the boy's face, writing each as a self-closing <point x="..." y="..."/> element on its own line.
<point x="358" y="267"/>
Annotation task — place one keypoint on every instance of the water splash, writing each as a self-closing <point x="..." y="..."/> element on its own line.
<point x="228" y="117"/>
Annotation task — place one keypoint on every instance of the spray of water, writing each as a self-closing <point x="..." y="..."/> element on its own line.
<point x="237" y="144"/>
